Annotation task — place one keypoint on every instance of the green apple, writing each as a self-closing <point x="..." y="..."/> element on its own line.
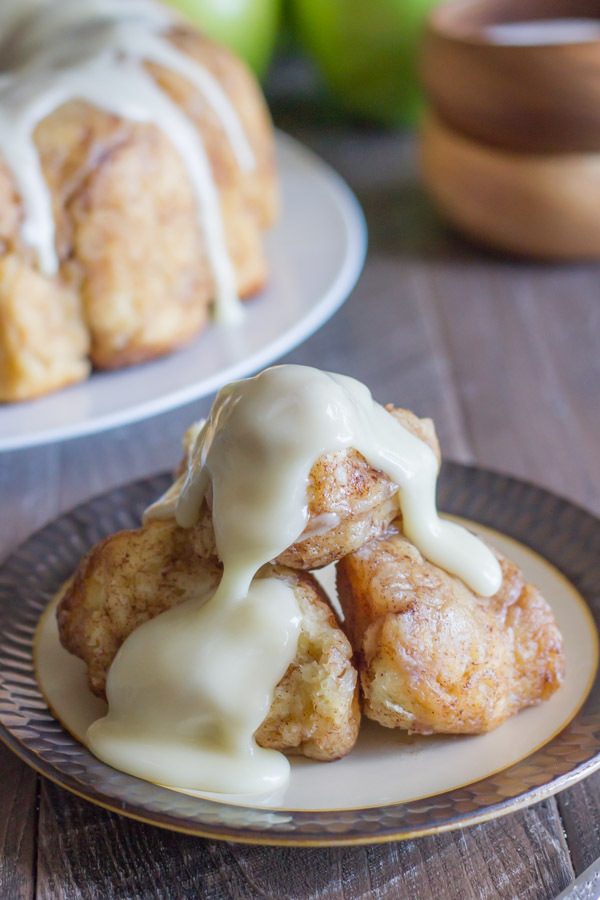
<point x="367" y="50"/>
<point x="249" y="27"/>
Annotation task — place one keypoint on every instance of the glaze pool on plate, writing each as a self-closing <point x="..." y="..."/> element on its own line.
<point x="315" y="253"/>
<point x="564" y="534"/>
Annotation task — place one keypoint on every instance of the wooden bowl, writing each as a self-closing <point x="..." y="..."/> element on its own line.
<point x="542" y="98"/>
<point x="544" y="206"/>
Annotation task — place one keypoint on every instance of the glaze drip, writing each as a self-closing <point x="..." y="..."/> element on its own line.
<point x="257" y="448"/>
<point x="94" y="51"/>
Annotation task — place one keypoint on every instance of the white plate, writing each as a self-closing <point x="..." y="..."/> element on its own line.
<point x="315" y="254"/>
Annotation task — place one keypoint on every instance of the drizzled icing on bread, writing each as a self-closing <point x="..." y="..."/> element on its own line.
<point x="188" y="689"/>
<point x="54" y="51"/>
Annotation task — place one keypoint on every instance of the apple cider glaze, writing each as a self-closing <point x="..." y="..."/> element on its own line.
<point x="188" y="689"/>
<point x="94" y="50"/>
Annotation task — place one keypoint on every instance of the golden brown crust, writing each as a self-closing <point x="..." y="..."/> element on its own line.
<point x="132" y="576"/>
<point x="126" y="579"/>
<point x="43" y="344"/>
<point x="434" y="657"/>
<point x="112" y="179"/>
<point x="315" y="709"/>
<point x="345" y="490"/>
<point x="364" y="500"/>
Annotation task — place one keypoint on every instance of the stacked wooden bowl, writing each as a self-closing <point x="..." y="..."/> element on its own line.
<point x="511" y="146"/>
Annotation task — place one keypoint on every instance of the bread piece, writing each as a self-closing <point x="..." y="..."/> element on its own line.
<point x="131" y="248"/>
<point x="43" y="341"/>
<point x="315" y="709"/>
<point x="123" y="581"/>
<point x="433" y="656"/>
<point x="133" y="576"/>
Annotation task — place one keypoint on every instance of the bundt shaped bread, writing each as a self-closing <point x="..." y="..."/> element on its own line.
<point x="134" y="279"/>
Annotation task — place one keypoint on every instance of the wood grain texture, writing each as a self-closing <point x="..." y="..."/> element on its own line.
<point x="523" y="856"/>
<point x="504" y="357"/>
<point x="526" y="409"/>
<point x="18" y="798"/>
<point x="579" y="812"/>
<point x="40" y="483"/>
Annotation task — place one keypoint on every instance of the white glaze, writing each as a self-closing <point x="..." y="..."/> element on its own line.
<point x="94" y="50"/>
<point x="256" y="451"/>
<point x="188" y="689"/>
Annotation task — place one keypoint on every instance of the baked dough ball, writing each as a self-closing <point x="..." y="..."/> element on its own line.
<point x="315" y="709"/>
<point x="132" y="576"/>
<point x="43" y="340"/>
<point x="433" y="656"/>
<point x="134" y="279"/>
<point x="349" y="503"/>
<point x="126" y="579"/>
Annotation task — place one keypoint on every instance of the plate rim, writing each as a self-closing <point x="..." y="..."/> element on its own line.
<point x="465" y="487"/>
<point x="340" y="288"/>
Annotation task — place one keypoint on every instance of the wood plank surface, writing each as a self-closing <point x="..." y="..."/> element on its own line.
<point x="504" y="356"/>
<point x="579" y="812"/>
<point x="18" y="800"/>
<point x="521" y="856"/>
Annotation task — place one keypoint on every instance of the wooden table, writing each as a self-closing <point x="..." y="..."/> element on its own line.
<point x="505" y="356"/>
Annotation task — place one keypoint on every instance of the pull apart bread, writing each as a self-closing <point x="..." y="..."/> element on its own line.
<point x="427" y="653"/>
<point x="133" y="576"/>
<point x="435" y="657"/>
<point x="134" y="278"/>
